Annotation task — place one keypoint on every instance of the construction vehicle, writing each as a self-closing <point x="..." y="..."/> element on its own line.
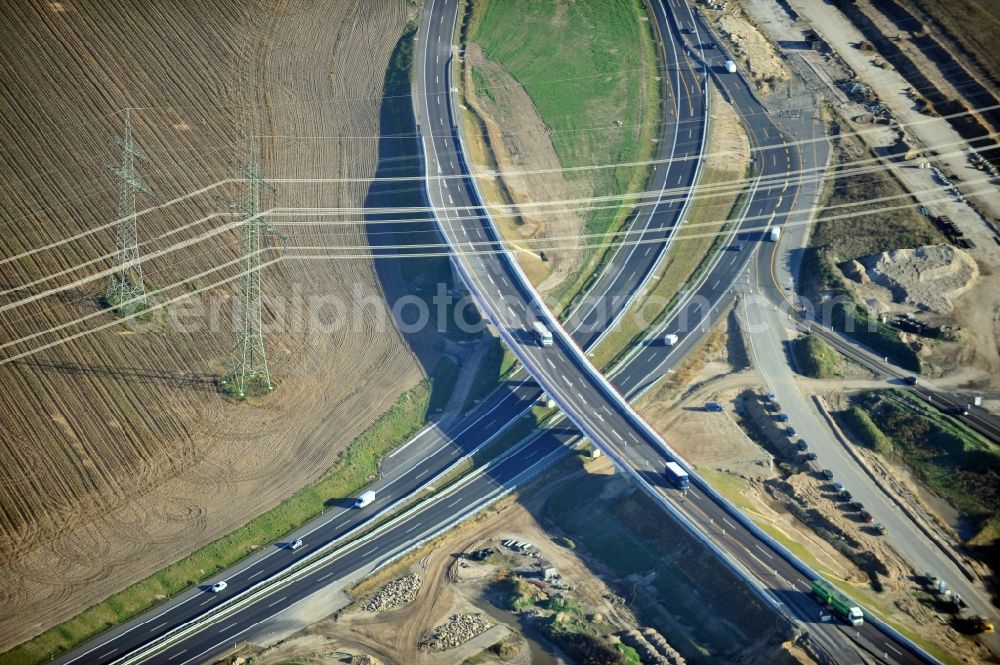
<point x="542" y="334"/>
<point x="981" y="624"/>
<point x="838" y="602"/>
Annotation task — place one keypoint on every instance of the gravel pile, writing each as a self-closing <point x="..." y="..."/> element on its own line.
<point x="929" y="278"/>
<point x="460" y="629"/>
<point x="394" y="594"/>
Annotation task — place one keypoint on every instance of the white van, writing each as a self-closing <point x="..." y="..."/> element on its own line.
<point x="365" y="499"/>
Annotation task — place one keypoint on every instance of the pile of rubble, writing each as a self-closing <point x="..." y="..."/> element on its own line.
<point x="394" y="594"/>
<point x="460" y="629"/>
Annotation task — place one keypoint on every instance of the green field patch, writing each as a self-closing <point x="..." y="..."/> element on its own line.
<point x="590" y="68"/>
<point x="815" y="358"/>
<point x="954" y="461"/>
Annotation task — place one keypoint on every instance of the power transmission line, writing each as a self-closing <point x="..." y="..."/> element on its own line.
<point x="125" y="283"/>
<point x="247" y="366"/>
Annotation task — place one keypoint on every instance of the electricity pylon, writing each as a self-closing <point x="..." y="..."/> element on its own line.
<point x="125" y="286"/>
<point x="247" y="366"/>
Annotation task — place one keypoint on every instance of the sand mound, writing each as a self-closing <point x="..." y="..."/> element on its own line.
<point x="751" y="48"/>
<point x="929" y="278"/>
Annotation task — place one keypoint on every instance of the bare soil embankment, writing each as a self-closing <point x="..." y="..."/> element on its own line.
<point x="118" y="455"/>
<point x="522" y="149"/>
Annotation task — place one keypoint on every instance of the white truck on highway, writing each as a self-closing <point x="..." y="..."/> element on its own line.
<point x="670" y="340"/>
<point x="365" y="499"/>
<point x="774" y="234"/>
<point x="730" y="66"/>
<point x="677" y="476"/>
<point x="542" y="334"/>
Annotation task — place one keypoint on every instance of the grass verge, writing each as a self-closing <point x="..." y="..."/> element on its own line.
<point x="815" y="358"/>
<point x="954" y="461"/>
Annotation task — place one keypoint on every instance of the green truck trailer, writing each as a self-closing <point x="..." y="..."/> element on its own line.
<point x="838" y="602"/>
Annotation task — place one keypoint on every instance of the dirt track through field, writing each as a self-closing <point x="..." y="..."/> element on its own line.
<point x="117" y="454"/>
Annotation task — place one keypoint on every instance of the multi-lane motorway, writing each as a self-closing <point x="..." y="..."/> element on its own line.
<point x="582" y="393"/>
<point x="561" y="368"/>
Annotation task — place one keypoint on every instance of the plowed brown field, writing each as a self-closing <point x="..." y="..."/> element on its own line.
<point x="117" y="455"/>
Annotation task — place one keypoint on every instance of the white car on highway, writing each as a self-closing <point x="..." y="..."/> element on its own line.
<point x="218" y="586"/>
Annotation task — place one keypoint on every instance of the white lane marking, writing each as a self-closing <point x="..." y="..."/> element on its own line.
<point x="158" y="627"/>
<point x="254" y="563"/>
<point x="412" y="528"/>
<point x="450" y="200"/>
<point x="766" y="553"/>
<point x="898" y="652"/>
<point x="582" y="398"/>
<point x="551" y="364"/>
<point x="105" y="655"/>
<point x="680" y="178"/>
<point x="599" y="417"/>
<point x="437" y="79"/>
<point x="423" y="473"/>
<point x="455" y="502"/>
<point x="324" y="577"/>
<point x="206" y="601"/>
<point x="451" y="163"/>
<point x="728" y="522"/>
<point x="259" y="572"/>
<point x="568" y="382"/>
<point x="716" y="284"/>
<point x="491" y="278"/>
<point x="177" y="654"/>
<point x="511" y="310"/>
<point x="278" y="601"/>
<point x="371" y="551"/>
<point x="618" y="436"/>
<point x="733" y="261"/>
